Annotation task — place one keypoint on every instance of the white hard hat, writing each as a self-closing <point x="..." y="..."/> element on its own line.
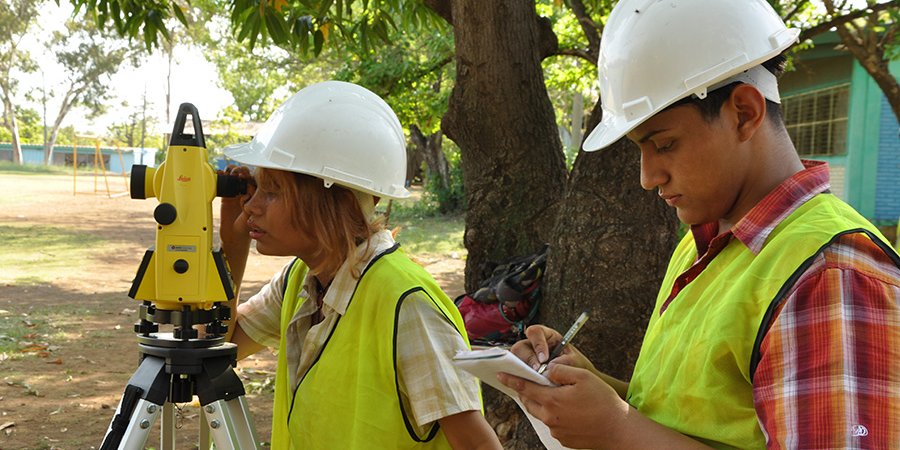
<point x="339" y="132"/>
<point x="656" y="52"/>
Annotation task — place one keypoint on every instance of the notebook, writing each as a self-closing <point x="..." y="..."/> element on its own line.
<point x="487" y="363"/>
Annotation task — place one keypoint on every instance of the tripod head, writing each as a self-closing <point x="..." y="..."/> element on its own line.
<point x="183" y="281"/>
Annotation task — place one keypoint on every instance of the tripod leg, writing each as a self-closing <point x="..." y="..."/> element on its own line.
<point x="167" y="428"/>
<point x="230" y="424"/>
<point x="139" y="407"/>
<point x="204" y="430"/>
<point x="221" y="396"/>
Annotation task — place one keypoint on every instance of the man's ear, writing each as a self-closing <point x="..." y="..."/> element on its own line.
<point x="748" y="106"/>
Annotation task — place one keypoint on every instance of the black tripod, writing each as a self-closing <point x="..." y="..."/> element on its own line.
<point x="172" y="370"/>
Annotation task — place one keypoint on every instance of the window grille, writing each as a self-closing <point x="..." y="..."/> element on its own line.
<point x="817" y="120"/>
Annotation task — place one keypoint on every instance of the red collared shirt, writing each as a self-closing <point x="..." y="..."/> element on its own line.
<point x="829" y="376"/>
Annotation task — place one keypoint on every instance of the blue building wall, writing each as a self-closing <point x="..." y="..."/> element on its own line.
<point x="887" y="189"/>
<point x="34" y="154"/>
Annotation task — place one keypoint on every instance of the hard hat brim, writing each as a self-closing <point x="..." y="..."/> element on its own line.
<point x="249" y="154"/>
<point x="607" y="132"/>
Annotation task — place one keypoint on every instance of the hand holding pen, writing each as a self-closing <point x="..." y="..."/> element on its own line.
<point x="573" y="330"/>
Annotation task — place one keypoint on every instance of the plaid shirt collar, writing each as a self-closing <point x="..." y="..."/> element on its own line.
<point x="755" y="227"/>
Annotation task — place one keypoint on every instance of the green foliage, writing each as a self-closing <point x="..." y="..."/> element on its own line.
<point x="452" y="199"/>
<point x="226" y="134"/>
<point x="134" y="130"/>
<point x="89" y="57"/>
<point x="31" y="129"/>
<point x="144" y="19"/>
<point x="414" y="74"/>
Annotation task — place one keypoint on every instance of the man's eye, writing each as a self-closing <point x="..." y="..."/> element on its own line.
<point x="662" y="148"/>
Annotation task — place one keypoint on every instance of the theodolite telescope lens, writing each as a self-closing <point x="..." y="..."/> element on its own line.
<point x="230" y="186"/>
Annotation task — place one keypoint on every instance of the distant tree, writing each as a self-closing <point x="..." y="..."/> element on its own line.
<point x="873" y="39"/>
<point x="89" y="57"/>
<point x="16" y="18"/>
<point x="132" y="131"/>
<point x="29" y="124"/>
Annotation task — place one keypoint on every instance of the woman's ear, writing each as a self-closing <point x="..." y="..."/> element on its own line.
<point x="748" y="106"/>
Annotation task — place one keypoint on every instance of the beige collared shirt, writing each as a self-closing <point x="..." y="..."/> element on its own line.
<point x="432" y="386"/>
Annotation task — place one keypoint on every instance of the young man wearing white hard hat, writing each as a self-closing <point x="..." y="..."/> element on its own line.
<point x="777" y="324"/>
<point x="365" y="336"/>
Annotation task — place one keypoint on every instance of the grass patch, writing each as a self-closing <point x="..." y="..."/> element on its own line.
<point x="33" y="254"/>
<point x="23" y="335"/>
<point x="423" y="230"/>
<point x="38" y="169"/>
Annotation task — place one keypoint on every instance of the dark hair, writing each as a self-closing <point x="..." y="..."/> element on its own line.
<point x="711" y="106"/>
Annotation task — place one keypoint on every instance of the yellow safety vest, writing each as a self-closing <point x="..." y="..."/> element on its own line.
<point x="350" y="398"/>
<point x="695" y="370"/>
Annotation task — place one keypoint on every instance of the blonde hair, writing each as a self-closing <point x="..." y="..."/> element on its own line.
<point x="332" y="215"/>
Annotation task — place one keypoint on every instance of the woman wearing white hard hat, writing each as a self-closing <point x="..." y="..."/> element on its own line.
<point x="365" y="336"/>
<point x="777" y="324"/>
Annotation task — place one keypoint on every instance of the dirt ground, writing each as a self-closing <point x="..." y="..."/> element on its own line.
<point x="61" y="384"/>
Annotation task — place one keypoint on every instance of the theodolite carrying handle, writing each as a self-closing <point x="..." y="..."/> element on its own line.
<point x="179" y="137"/>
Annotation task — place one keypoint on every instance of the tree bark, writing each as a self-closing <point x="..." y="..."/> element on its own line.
<point x="64" y="108"/>
<point x="501" y="117"/>
<point x="613" y="243"/>
<point x="431" y="150"/>
<point x="13" y="126"/>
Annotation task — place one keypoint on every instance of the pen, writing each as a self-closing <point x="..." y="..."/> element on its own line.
<point x="565" y="340"/>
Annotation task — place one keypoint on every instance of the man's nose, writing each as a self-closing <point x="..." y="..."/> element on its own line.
<point x="652" y="174"/>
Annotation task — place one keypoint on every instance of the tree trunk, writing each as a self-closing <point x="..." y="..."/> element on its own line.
<point x="414" y="157"/>
<point x="610" y="240"/>
<point x="48" y="153"/>
<point x="501" y="117"/>
<point x="64" y="108"/>
<point x="13" y="126"/>
<point x="613" y="242"/>
<point x="430" y="149"/>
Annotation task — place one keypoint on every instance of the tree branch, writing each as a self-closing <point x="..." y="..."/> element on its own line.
<point x="443" y="8"/>
<point x="548" y="42"/>
<point x="588" y="26"/>
<point x="586" y="55"/>
<point x="816" y="30"/>
<point x="796" y="9"/>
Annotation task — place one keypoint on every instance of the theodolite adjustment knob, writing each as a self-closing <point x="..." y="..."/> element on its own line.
<point x="165" y="213"/>
<point x="181" y="266"/>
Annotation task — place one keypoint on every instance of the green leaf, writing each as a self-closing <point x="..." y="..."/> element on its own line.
<point x="318" y="40"/>
<point x="323" y="8"/>
<point x="380" y="29"/>
<point x="275" y="27"/>
<point x="179" y="14"/>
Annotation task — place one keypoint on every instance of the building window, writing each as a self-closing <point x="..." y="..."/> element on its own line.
<point x="817" y="121"/>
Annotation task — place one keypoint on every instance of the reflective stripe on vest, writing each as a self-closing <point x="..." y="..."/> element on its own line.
<point x="694" y="372"/>
<point x="350" y="398"/>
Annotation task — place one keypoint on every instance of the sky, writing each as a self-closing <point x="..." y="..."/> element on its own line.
<point x="194" y="80"/>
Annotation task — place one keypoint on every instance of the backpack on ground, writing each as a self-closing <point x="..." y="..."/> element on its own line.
<point x="498" y="312"/>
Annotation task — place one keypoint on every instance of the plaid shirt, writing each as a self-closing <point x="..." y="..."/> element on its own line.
<point x="829" y="376"/>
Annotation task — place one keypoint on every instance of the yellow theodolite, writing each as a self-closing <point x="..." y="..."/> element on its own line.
<point x="183" y="274"/>
<point x="184" y="282"/>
